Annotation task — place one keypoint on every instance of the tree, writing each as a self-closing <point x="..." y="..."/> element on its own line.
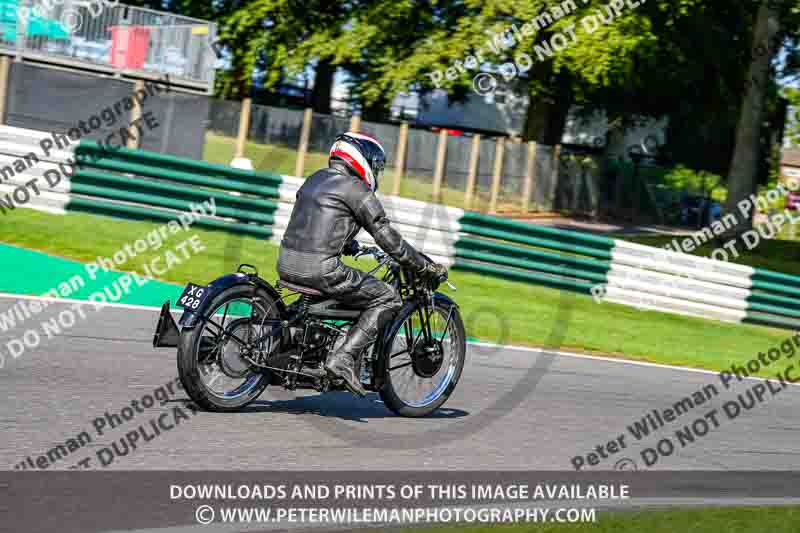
<point x="641" y="61"/>
<point x="681" y="58"/>
<point x="266" y="35"/>
<point x="767" y="39"/>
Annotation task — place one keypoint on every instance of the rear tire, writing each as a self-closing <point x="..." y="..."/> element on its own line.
<point x="389" y="393"/>
<point x="189" y="367"/>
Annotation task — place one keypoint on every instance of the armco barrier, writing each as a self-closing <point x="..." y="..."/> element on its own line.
<point x="627" y="273"/>
<point x="22" y="159"/>
<point x="135" y="183"/>
<point x="125" y="182"/>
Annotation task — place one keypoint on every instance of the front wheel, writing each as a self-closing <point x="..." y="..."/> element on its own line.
<point x="425" y="351"/>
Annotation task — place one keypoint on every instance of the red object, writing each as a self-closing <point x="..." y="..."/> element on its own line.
<point x="454" y="133"/>
<point x="129" y="46"/>
<point x="793" y="201"/>
<point x="356" y="165"/>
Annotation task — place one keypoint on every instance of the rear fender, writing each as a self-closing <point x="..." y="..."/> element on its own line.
<point x="190" y="319"/>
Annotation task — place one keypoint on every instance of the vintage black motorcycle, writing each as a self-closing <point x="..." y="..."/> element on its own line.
<point x="240" y="334"/>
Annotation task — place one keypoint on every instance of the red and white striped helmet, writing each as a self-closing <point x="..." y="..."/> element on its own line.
<point x="363" y="154"/>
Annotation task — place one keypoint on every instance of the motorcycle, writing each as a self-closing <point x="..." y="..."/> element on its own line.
<point x="240" y="334"/>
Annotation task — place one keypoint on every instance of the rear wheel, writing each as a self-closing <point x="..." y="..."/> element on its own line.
<point x="426" y="350"/>
<point x="212" y="363"/>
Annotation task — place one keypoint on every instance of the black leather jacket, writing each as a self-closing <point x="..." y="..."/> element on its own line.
<point x="331" y="207"/>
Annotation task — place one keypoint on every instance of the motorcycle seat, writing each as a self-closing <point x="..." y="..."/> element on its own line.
<point x="298" y="288"/>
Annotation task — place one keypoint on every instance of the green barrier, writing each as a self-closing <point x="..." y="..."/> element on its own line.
<point x="535" y="266"/>
<point x="771" y="309"/>
<point x="95" y="206"/>
<point x="550" y="244"/>
<point x="158" y="201"/>
<point x="763" y="319"/>
<point x="156" y="181"/>
<point x="566" y="259"/>
<point x="527" y="277"/>
<point x="162" y="160"/>
<point x="762" y="275"/>
<point x="503" y="249"/>
<point x="515" y="228"/>
<point x="268" y="191"/>
<point x="177" y="192"/>
<point x="535" y="262"/>
<point x="769" y="298"/>
<point x="774" y="287"/>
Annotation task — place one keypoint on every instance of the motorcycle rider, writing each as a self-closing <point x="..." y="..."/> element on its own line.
<point x="332" y="205"/>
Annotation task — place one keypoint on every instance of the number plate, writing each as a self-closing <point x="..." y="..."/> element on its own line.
<point x="193" y="297"/>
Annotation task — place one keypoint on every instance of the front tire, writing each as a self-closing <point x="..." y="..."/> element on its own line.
<point x="437" y="379"/>
<point x="200" y="350"/>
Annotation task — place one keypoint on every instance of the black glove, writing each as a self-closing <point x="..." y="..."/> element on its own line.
<point x="434" y="272"/>
<point x="351" y="248"/>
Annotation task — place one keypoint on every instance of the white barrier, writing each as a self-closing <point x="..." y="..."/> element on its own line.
<point x="662" y="280"/>
<point x="22" y="160"/>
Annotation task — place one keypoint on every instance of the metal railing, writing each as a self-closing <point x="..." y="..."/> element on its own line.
<point x="109" y="35"/>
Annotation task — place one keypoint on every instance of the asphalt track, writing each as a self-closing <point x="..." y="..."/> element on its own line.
<point x="514" y="409"/>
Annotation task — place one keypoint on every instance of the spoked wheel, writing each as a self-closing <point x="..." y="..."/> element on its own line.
<point x="426" y="351"/>
<point x="213" y="357"/>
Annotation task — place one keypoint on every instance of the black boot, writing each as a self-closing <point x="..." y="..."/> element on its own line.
<point x="342" y="364"/>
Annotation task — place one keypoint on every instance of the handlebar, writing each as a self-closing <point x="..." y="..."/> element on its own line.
<point x="374" y="251"/>
<point x="383" y="259"/>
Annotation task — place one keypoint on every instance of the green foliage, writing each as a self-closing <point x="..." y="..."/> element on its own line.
<point x="271" y="35"/>
<point x="687" y="59"/>
<point x="687" y="179"/>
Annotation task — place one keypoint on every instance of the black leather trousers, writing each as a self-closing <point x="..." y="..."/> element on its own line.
<point x="354" y="288"/>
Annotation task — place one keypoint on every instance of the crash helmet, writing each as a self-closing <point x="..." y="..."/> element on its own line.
<point x="362" y="154"/>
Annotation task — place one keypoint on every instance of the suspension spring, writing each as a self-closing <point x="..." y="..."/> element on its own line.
<point x="305" y="303"/>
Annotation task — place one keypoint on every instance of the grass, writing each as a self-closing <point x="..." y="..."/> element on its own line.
<point x="281" y="160"/>
<point x="705" y="520"/>
<point x="494" y="310"/>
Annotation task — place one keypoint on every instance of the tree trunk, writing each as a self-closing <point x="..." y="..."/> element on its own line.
<point x="376" y="111"/>
<point x="546" y="117"/>
<point x="744" y="165"/>
<point x="323" y="83"/>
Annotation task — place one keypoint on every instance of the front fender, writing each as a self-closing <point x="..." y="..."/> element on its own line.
<point x="443" y="299"/>
<point x="190" y="319"/>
